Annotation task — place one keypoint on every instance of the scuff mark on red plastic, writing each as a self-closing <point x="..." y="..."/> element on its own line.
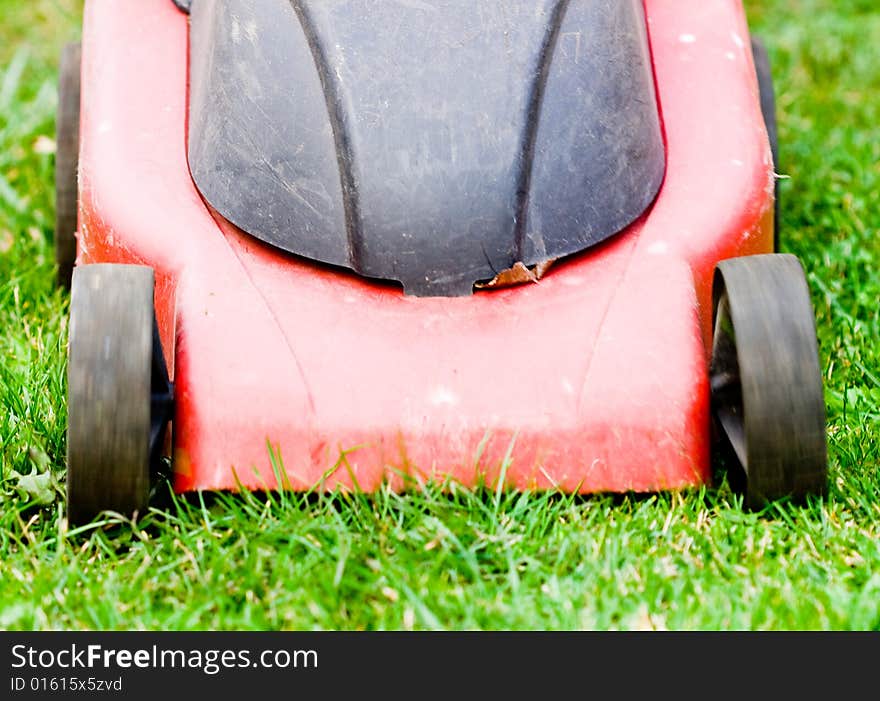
<point x="518" y="274"/>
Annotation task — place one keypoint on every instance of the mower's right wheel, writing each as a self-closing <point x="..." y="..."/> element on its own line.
<point x="67" y="161"/>
<point x="765" y="378"/>
<point x="110" y="350"/>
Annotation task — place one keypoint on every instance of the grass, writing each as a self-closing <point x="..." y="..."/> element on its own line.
<point x="681" y="561"/>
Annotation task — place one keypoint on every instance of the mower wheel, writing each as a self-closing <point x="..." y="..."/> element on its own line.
<point x="768" y="110"/>
<point x="765" y="378"/>
<point x="111" y="369"/>
<point x="67" y="161"/>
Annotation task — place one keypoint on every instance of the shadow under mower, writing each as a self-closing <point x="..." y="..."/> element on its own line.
<point x="458" y="239"/>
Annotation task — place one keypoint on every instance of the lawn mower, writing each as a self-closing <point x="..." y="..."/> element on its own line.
<point x="330" y="244"/>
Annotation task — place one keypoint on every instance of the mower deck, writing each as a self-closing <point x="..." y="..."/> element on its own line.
<point x="593" y="379"/>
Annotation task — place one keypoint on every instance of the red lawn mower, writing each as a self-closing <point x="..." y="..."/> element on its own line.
<point x="392" y="242"/>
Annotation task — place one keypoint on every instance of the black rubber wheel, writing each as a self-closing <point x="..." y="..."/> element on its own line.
<point x="67" y="161"/>
<point x="768" y="110"/>
<point x="110" y="351"/>
<point x="765" y="378"/>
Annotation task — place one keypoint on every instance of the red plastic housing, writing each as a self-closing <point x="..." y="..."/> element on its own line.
<point x="594" y="379"/>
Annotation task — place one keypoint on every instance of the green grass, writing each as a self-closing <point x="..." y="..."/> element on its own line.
<point x="692" y="560"/>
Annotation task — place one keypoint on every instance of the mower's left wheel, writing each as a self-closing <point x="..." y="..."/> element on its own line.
<point x="765" y="378"/>
<point x="110" y="350"/>
<point x="67" y="161"/>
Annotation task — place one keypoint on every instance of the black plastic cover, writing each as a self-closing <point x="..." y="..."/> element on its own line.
<point x="432" y="142"/>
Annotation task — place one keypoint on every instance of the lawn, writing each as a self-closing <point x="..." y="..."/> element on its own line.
<point x="693" y="560"/>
